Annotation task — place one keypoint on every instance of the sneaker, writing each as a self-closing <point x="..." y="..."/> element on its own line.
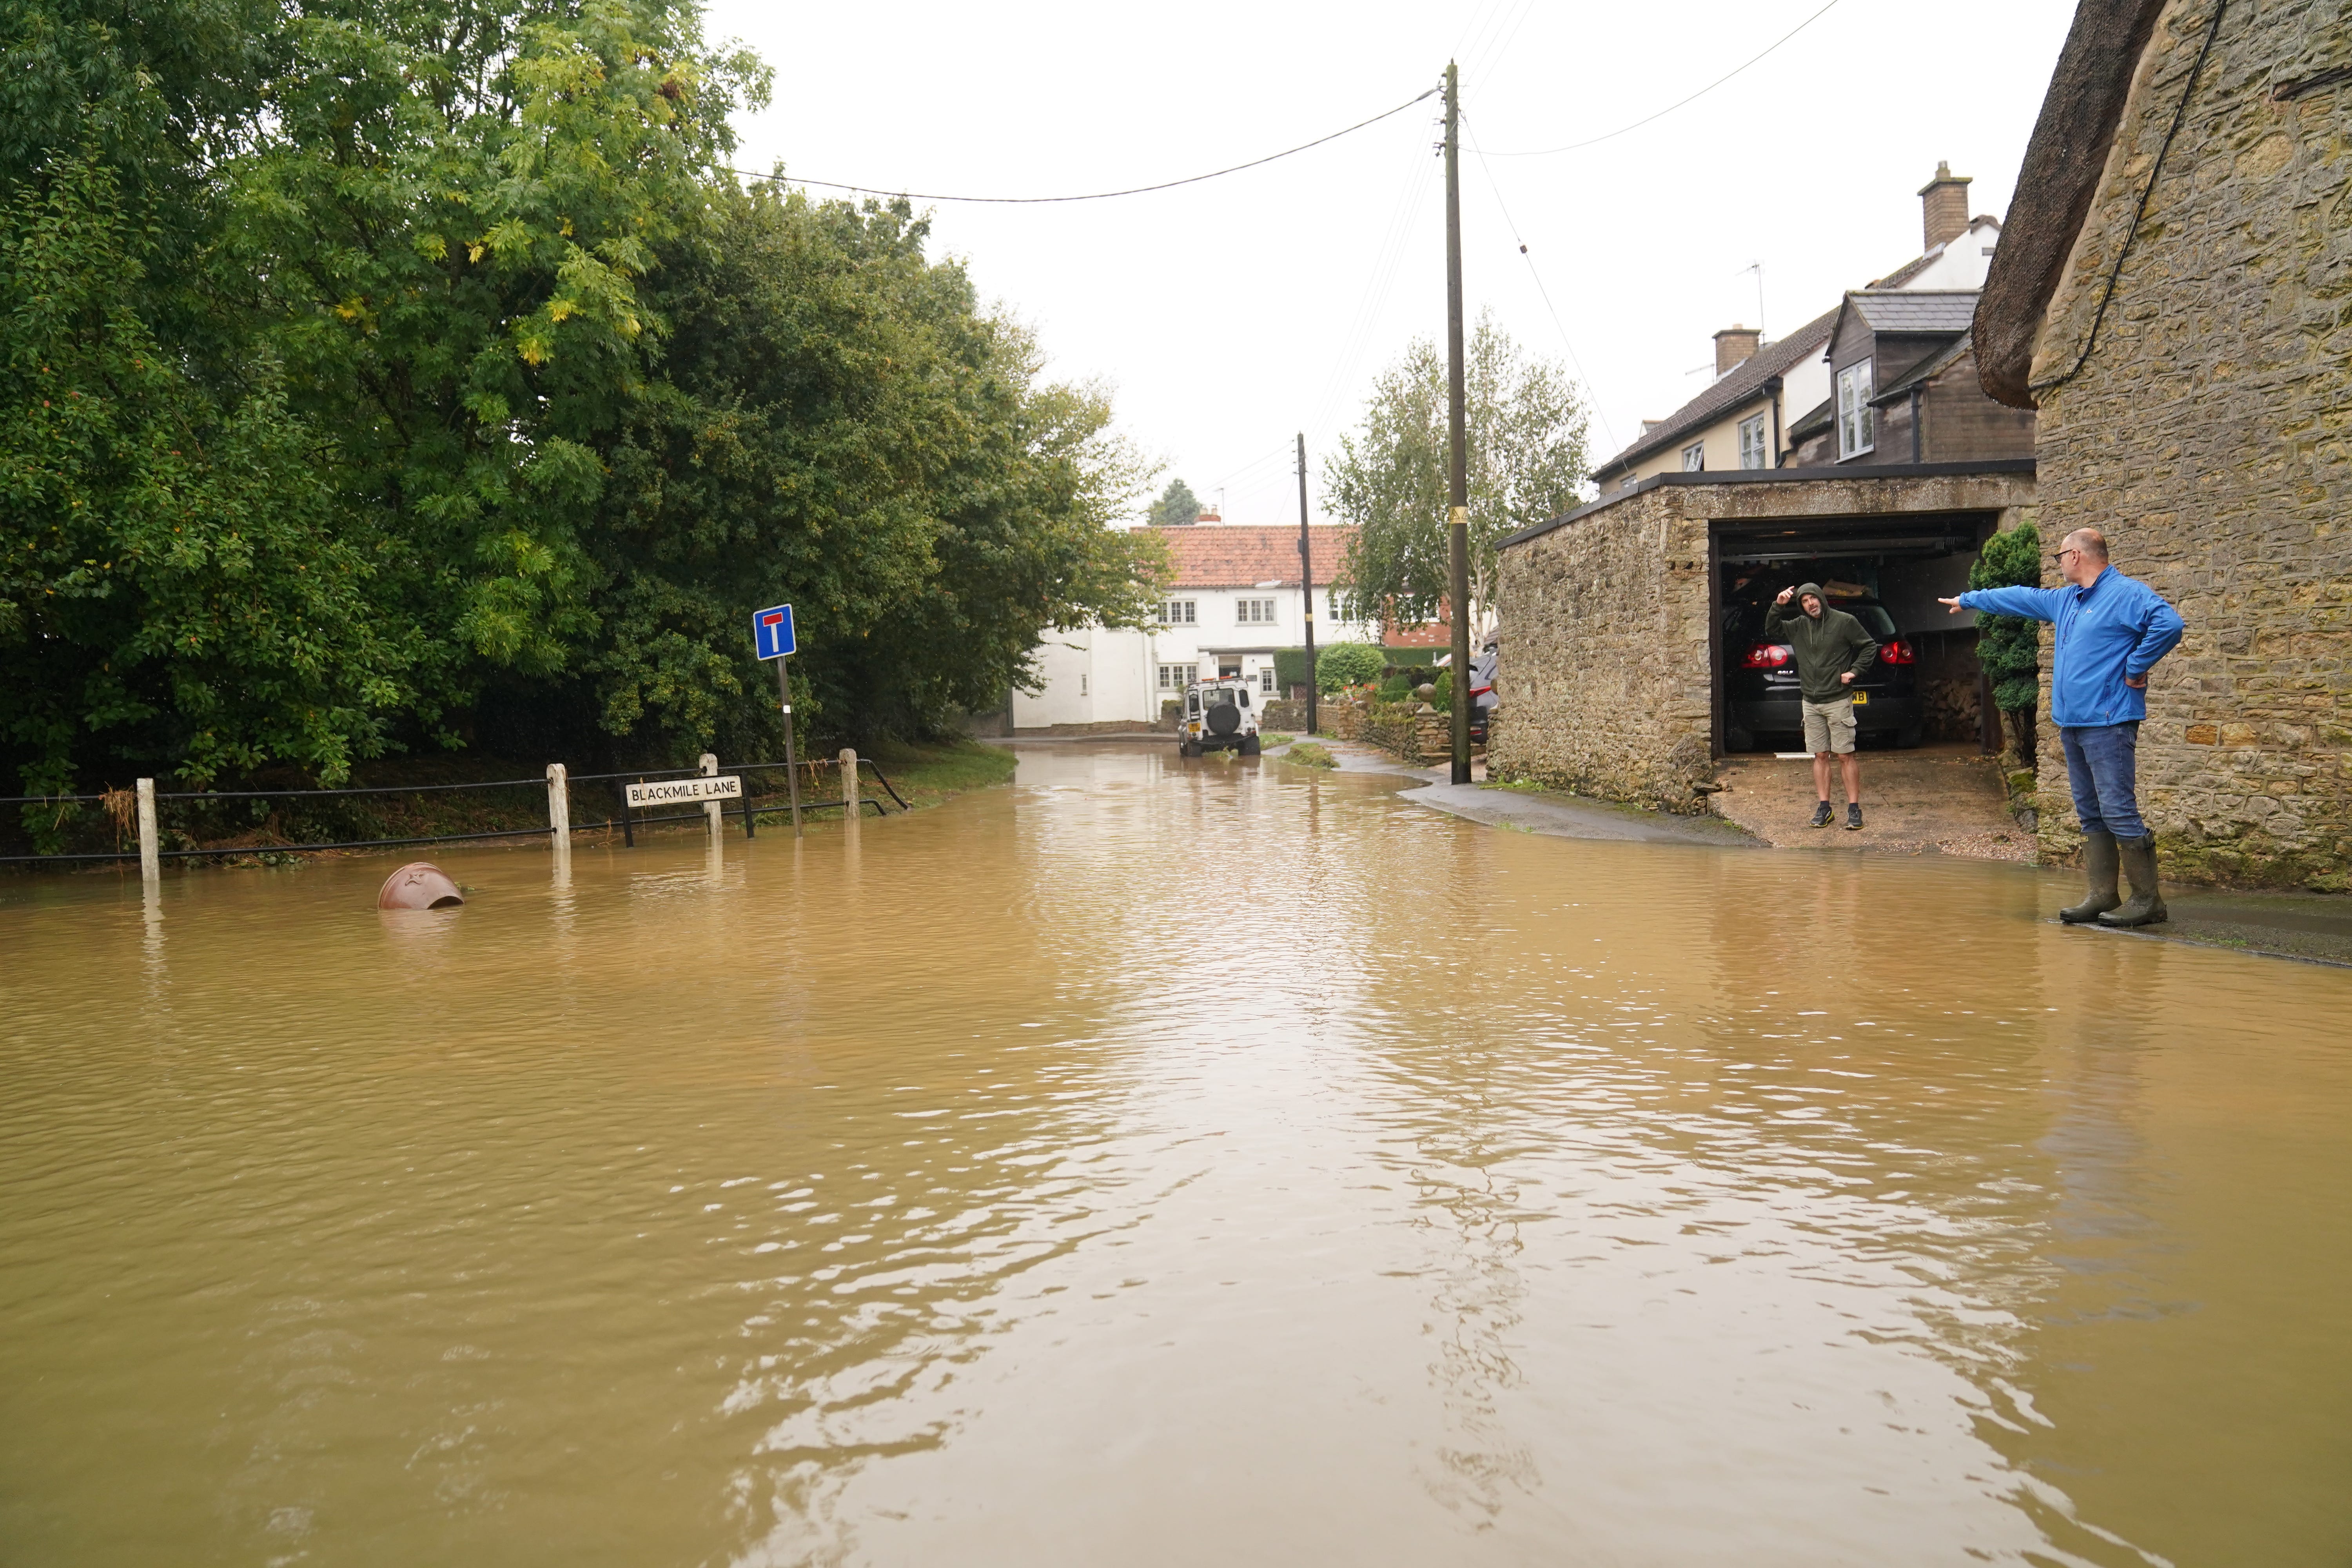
<point x="1852" y="817"/>
<point x="1821" y="815"/>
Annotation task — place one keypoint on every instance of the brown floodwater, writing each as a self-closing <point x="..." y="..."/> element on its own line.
<point x="1163" y="1164"/>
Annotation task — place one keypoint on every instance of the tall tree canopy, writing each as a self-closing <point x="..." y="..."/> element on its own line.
<point x="413" y="376"/>
<point x="1177" y="505"/>
<point x="1526" y="427"/>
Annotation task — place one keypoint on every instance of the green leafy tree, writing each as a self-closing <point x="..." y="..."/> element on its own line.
<point x="175" y="577"/>
<point x="1177" y="505"/>
<point x="1347" y="664"/>
<point x="2009" y="647"/>
<point x="419" y="376"/>
<point x="1524" y="423"/>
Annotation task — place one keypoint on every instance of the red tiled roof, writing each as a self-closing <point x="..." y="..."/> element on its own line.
<point x="1213" y="555"/>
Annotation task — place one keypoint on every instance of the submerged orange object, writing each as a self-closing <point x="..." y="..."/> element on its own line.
<point x="419" y="885"/>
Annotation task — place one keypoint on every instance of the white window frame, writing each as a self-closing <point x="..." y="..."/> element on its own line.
<point x="1175" y="678"/>
<point x="1694" y="457"/>
<point x="1856" y="431"/>
<point x="1753" y="453"/>
<point x="1254" y="612"/>
<point x="1265" y="681"/>
<point x="1179" y="612"/>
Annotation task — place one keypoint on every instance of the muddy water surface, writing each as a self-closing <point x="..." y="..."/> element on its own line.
<point x="1162" y="1163"/>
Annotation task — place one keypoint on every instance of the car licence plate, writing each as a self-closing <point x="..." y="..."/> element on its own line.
<point x="1860" y="698"/>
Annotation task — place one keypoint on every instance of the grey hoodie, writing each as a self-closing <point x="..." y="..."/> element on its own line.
<point x="1827" y="645"/>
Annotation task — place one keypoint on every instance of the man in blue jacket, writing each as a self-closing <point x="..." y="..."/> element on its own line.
<point x="2111" y="631"/>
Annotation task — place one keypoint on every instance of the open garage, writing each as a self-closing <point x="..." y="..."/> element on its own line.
<point x="1888" y="571"/>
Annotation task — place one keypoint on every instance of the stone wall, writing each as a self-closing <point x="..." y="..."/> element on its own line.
<point x="2209" y="433"/>
<point x="1416" y="732"/>
<point x="1605" y="674"/>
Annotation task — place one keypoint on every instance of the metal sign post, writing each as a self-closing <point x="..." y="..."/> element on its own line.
<point x="773" y="638"/>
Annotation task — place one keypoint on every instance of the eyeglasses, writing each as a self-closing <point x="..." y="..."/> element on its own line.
<point x="2061" y="555"/>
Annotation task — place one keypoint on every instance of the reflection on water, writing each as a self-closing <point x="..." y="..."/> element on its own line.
<point x="1162" y="1163"/>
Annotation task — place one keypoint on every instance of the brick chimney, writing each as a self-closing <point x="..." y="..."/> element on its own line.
<point x="1943" y="207"/>
<point x="1733" y="346"/>
<point x="1209" y="514"/>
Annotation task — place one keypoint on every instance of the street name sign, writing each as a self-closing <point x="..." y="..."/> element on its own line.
<point x="771" y="632"/>
<point x="685" y="792"/>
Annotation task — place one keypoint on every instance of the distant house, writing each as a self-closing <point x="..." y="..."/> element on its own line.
<point x="2172" y="303"/>
<point x="1234" y="602"/>
<point x="1768" y="400"/>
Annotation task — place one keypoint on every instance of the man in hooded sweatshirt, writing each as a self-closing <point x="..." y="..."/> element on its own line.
<point x="2111" y="630"/>
<point x="1833" y="650"/>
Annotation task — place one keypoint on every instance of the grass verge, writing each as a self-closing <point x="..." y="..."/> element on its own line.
<point x="928" y="774"/>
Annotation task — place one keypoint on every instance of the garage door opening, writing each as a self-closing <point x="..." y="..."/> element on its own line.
<point x="1888" y="573"/>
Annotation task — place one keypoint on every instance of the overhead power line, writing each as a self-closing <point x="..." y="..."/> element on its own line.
<point x="1661" y="114"/>
<point x="1095" y="195"/>
<point x="1537" y="274"/>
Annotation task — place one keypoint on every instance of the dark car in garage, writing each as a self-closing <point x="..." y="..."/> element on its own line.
<point x="1760" y="694"/>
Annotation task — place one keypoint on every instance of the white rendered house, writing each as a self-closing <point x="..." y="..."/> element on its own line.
<point x="1234" y="602"/>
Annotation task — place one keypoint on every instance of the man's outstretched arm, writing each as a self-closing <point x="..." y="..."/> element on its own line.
<point x="2027" y="604"/>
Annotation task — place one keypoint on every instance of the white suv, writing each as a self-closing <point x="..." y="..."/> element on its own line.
<point x="1218" y="717"/>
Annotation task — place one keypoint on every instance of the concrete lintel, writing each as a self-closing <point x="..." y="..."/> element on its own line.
<point x="1846" y="490"/>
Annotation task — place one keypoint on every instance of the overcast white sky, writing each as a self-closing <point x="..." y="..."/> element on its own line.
<point x="1230" y="314"/>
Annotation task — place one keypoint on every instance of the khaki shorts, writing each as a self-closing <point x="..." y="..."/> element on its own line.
<point x="1828" y="726"/>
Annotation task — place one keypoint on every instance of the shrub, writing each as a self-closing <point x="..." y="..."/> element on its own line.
<point x="1289" y="668"/>
<point x="2008" y="647"/>
<point x="1348" y="664"/>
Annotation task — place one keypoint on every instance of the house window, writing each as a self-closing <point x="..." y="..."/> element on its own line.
<point x="1694" y="457"/>
<point x="1177" y="677"/>
<point x="1255" y="612"/>
<point x="1752" y="451"/>
<point x="1854" y="434"/>
<point x="1179" y="613"/>
<point x="1265" y="680"/>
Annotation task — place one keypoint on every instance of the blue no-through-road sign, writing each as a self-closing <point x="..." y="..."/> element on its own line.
<point x="771" y="631"/>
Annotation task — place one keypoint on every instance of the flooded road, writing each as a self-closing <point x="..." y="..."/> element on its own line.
<point x="1163" y="1164"/>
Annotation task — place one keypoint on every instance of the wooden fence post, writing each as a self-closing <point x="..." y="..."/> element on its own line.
<point x="713" y="813"/>
<point x="151" y="862"/>
<point x="558" y="807"/>
<point x="849" y="781"/>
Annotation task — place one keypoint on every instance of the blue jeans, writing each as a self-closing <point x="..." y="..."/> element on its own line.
<point x="2102" y="762"/>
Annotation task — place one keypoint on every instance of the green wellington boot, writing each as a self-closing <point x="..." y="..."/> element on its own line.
<point x="2145" y="906"/>
<point x="2099" y="867"/>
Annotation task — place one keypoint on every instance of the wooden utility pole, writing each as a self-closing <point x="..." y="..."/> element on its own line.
<point x="1457" y="527"/>
<point x="1306" y="580"/>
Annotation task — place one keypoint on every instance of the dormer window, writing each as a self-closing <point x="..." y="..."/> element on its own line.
<point x="1855" y="436"/>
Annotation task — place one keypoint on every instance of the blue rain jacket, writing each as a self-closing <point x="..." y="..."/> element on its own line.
<point x="2117" y="626"/>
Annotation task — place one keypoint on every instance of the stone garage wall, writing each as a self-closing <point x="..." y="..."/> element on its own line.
<point x="1604" y="680"/>
<point x="2209" y="436"/>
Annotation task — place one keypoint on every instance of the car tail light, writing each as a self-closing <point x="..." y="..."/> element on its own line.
<point x="1897" y="651"/>
<point x="1766" y="656"/>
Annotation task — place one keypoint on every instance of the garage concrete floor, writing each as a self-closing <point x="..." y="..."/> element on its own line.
<point x="1947" y="798"/>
